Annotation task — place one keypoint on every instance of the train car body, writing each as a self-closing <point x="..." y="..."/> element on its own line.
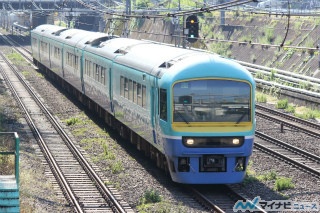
<point x="195" y="108"/>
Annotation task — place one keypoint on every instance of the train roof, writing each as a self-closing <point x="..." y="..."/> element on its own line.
<point x="48" y="30"/>
<point x="75" y="37"/>
<point x="157" y="58"/>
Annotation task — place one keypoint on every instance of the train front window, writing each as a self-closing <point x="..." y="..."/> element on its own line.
<point x="211" y="101"/>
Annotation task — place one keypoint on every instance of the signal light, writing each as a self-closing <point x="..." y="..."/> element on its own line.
<point x="192" y="25"/>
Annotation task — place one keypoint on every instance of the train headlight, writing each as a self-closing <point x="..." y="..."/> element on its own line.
<point x="212" y="142"/>
<point x="236" y="141"/>
<point x="190" y="141"/>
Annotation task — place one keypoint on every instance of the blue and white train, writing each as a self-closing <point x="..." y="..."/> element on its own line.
<point x="190" y="111"/>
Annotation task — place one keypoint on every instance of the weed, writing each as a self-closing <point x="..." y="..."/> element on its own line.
<point x="16" y="57"/>
<point x="259" y="75"/>
<point x="282" y="104"/>
<point x="107" y="153"/>
<point x="151" y="196"/>
<point x="269" y="176"/>
<point x="116" y="167"/>
<point x="25" y="73"/>
<point x="261" y="98"/>
<point x="283" y="183"/>
<point x="308" y="114"/>
<point x="72" y="121"/>
<point x="290" y="108"/>
<point x="80" y="131"/>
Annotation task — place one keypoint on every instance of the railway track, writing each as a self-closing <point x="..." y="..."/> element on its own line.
<point x="213" y="200"/>
<point x="219" y="198"/>
<point x="80" y="184"/>
<point x="291" y="154"/>
<point x="19" y="48"/>
<point x="217" y="204"/>
<point x="313" y="129"/>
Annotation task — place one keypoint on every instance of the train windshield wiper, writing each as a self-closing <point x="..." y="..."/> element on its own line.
<point x="244" y="113"/>
<point x="181" y="116"/>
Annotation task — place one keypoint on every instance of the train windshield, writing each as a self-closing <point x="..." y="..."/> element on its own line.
<point x="212" y="100"/>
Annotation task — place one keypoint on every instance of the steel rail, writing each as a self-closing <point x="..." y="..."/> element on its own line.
<point x="53" y="164"/>
<point x="315" y="128"/>
<point x="111" y="200"/>
<point x="293" y="149"/>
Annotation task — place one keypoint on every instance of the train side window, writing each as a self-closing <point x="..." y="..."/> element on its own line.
<point x="90" y="69"/>
<point x="130" y="90"/>
<point x="144" y="96"/>
<point x="139" y="94"/>
<point x="126" y="88"/>
<point x="134" y="98"/>
<point x="44" y="47"/>
<point x="122" y="86"/>
<point x="86" y="63"/>
<point x="103" y="71"/>
<point x="76" y="62"/>
<point x="163" y="104"/>
<point x="69" y="59"/>
<point x="56" y="52"/>
<point x="97" y="70"/>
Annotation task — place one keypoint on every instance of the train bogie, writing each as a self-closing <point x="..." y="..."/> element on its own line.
<point x="192" y="112"/>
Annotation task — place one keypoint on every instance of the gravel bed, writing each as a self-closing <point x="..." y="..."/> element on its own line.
<point x="306" y="187"/>
<point x="135" y="175"/>
<point x="290" y="136"/>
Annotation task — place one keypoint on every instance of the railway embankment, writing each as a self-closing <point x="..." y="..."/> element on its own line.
<point x="259" y="39"/>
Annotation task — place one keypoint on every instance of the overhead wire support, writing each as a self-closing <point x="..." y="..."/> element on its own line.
<point x="288" y="25"/>
<point x="174" y="14"/>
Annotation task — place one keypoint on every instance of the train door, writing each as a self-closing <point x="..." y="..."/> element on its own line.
<point x="154" y="103"/>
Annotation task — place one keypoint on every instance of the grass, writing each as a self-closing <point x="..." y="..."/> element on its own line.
<point x="151" y="196"/>
<point x="306" y="113"/>
<point x="72" y="121"/>
<point x="26" y="73"/>
<point x="162" y="207"/>
<point x="290" y="108"/>
<point x="283" y="183"/>
<point x="80" y="131"/>
<point x="151" y="201"/>
<point x="116" y="167"/>
<point x="7" y="165"/>
<point x="261" y="98"/>
<point x="280" y="183"/>
<point x="282" y="104"/>
<point x="15" y="57"/>
<point x="298" y="111"/>
<point x="268" y="177"/>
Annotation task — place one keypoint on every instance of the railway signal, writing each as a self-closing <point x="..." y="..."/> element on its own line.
<point x="192" y="25"/>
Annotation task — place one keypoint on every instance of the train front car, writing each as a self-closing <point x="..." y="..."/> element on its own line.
<point x="207" y="119"/>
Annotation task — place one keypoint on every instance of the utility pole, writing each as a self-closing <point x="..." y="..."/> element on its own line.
<point x="125" y="32"/>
